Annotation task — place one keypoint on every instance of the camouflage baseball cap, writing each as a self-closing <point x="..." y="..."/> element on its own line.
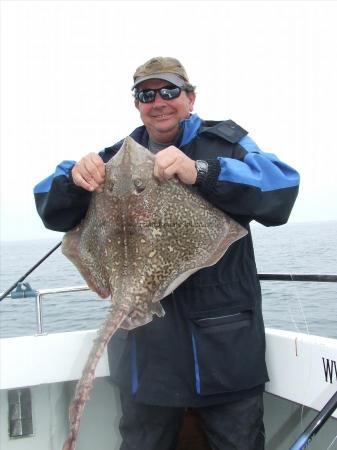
<point x="162" y="68"/>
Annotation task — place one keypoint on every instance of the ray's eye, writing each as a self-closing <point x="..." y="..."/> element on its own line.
<point x="139" y="185"/>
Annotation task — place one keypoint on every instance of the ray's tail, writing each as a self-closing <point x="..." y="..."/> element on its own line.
<point x="84" y="385"/>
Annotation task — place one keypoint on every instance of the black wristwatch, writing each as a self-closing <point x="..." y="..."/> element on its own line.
<point x="202" y="170"/>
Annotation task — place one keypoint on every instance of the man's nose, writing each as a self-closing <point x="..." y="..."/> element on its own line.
<point x="158" y="101"/>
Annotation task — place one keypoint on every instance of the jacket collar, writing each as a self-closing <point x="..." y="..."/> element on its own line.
<point x="227" y="129"/>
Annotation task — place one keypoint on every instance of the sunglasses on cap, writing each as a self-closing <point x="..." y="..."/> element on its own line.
<point x="166" y="93"/>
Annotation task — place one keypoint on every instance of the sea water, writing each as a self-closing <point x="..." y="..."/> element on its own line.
<point x="293" y="248"/>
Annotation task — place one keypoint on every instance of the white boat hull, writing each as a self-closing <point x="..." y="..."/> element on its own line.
<point x="302" y="370"/>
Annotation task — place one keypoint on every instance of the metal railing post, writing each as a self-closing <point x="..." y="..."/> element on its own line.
<point x="38" y="309"/>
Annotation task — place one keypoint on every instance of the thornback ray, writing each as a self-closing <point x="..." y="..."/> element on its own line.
<point x="139" y="240"/>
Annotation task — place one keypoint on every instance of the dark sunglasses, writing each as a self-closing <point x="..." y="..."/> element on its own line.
<point x="166" y="93"/>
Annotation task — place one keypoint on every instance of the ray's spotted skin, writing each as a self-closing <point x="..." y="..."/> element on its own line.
<point x="139" y="240"/>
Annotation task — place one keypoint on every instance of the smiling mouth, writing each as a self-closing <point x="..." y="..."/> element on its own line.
<point x="162" y="116"/>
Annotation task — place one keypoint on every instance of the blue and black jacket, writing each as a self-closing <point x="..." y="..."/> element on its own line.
<point x="210" y="346"/>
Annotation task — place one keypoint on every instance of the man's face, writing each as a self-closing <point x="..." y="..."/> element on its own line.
<point x="161" y="117"/>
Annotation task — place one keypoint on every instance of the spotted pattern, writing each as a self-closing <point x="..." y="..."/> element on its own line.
<point x="139" y="240"/>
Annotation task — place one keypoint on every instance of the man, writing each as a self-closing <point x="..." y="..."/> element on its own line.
<point x="208" y="352"/>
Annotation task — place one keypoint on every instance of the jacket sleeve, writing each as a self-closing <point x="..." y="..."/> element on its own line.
<point x="252" y="186"/>
<point x="60" y="203"/>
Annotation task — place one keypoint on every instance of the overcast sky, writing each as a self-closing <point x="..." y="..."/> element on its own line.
<point x="66" y="75"/>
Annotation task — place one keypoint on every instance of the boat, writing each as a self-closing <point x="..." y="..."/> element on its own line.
<point x="39" y="373"/>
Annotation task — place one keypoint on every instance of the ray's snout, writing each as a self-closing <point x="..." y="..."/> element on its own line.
<point x="123" y="185"/>
<point x="127" y="163"/>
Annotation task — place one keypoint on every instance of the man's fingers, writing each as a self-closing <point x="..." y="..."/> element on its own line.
<point x="172" y="162"/>
<point x="158" y="172"/>
<point x="165" y="170"/>
<point x="89" y="172"/>
<point x="93" y="167"/>
<point x="81" y="182"/>
<point x="164" y="160"/>
<point x="170" y="171"/>
<point x="98" y="161"/>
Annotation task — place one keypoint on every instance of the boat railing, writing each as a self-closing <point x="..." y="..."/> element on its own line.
<point x="24" y="290"/>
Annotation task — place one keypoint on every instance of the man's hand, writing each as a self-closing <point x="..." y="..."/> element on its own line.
<point x="170" y="162"/>
<point x="89" y="172"/>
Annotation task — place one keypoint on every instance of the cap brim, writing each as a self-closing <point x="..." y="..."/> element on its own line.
<point x="170" y="77"/>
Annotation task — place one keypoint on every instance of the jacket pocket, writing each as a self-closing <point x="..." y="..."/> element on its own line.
<point x="228" y="351"/>
<point x="217" y="322"/>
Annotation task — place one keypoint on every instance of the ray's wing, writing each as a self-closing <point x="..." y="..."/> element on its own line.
<point x="180" y="233"/>
<point x="203" y="236"/>
<point x="79" y="246"/>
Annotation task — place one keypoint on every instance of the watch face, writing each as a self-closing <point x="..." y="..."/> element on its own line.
<point x="202" y="169"/>
<point x="201" y="165"/>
